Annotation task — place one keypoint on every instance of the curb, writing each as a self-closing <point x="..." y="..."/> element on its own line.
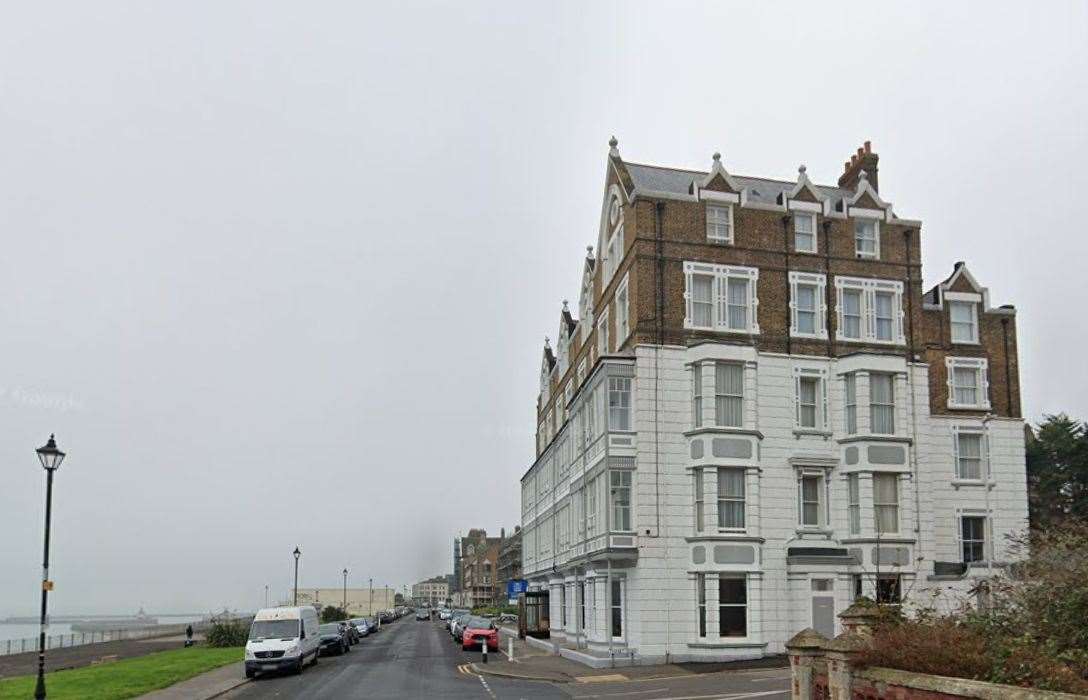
<point x="224" y="691"/>
<point x="519" y="676"/>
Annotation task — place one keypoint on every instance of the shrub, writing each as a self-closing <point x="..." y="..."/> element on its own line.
<point x="227" y="633"/>
<point x="331" y="613"/>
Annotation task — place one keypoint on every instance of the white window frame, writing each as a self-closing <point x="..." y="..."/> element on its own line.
<point x="850" y="403"/>
<point x="952" y="323"/>
<point x="811" y="217"/>
<point x="719" y="316"/>
<point x="733" y="498"/>
<point x="581" y="376"/>
<point x="602" y="332"/>
<point x="821" y="502"/>
<point x="568" y="393"/>
<point x="869" y="288"/>
<point x="980" y="365"/>
<point x="747" y="618"/>
<point x="720" y="393"/>
<point x="875" y="255"/>
<point x="623" y="307"/>
<point x="819" y="282"/>
<point x="853" y="504"/>
<point x="986" y="535"/>
<point x="699" y="487"/>
<point x="983" y="463"/>
<point x="619" y="389"/>
<point x="696" y="395"/>
<point x="616" y="483"/>
<point x="822" y="422"/>
<point x="713" y="224"/>
<point x="873" y="405"/>
<point x="894" y="506"/>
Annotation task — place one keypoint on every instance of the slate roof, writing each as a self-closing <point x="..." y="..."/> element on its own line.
<point x="660" y="179"/>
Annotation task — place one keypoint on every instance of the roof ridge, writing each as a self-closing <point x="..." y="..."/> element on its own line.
<point x="746" y="177"/>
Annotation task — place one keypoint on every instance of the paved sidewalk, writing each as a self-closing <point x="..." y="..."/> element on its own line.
<point x="205" y="686"/>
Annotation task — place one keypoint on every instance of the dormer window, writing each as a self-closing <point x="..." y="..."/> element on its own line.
<point x="804" y="232"/>
<point x="867" y="238"/>
<point x="964" y="319"/>
<point x="719" y="223"/>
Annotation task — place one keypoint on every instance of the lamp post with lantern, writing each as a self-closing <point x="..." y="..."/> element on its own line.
<point x="297" y="554"/>
<point x="50" y="457"/>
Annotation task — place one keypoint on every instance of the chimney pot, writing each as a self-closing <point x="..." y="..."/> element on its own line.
<point x="853" y="159"/>
<point x="846" y="166"/>
<point x="861" y="152"/>
<point x="868" y="147"/>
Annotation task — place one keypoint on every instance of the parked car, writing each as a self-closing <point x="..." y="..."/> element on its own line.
<point x="458" y="626"/>
<point x="422" y="614"/>
<point x="361" y="626"/>
<point x="508" y="617"/>
<point x="282" y="639"/>
<point x="444" y="614"/>
<point x="334" y="638"/>
<point x="478" y="631"/>
<point x="454" y="614"/>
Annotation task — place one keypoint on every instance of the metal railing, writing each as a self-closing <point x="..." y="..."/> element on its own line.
<point x="74" y="639"/>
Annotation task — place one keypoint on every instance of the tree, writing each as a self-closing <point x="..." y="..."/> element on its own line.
<point x="1057" y="471"/>
<point x="331" y="613"/>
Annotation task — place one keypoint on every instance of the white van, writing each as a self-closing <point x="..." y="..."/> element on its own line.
<point x="282" y="639"/>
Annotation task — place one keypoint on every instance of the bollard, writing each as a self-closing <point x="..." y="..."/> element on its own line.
<point x="510" y="647"/>
<point x="483" y="645"/>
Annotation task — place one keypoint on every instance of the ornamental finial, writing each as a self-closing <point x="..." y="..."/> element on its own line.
<point x="612" y="147"/>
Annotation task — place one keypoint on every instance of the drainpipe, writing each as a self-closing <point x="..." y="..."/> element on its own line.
<point x="913" y="408"/>
<point x="989" y="519"/>
<point x="789" y="313"/>
<point x="827" y="289"/>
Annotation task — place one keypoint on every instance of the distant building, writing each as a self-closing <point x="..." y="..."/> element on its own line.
<point x="479" y="565"/>
<point x="432" y="591"/>
<point x="509" y="559"/>
<point x="359" y="599"/>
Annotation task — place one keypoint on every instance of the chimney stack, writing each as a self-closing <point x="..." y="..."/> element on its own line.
<point x="865" y="160"/>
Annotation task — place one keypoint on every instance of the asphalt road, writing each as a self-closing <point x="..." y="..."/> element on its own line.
<point x="407" y="659"/>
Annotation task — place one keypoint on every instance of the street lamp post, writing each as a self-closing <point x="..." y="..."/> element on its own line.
<point x="345" y="591"/>
<point x="50" y="458"/>
<point x="297" y="554"/>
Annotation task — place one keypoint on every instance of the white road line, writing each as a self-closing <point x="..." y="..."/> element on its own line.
<point x="486" y="687"/>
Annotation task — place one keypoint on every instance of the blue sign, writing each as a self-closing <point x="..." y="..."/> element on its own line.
<point x="516" y="586"/>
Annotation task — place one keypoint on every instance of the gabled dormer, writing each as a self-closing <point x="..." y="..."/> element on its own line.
<point x="547" y="363"/>
<point x="567" y="326"/>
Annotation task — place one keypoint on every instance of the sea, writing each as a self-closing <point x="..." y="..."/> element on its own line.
<point x="27" y="631"/>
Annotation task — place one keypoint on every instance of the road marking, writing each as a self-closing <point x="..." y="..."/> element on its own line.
<point x="486" y="686"/>
<point x="608" y="678"/>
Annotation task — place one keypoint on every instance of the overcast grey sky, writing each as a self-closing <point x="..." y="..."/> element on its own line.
<point x="278" y="273"/>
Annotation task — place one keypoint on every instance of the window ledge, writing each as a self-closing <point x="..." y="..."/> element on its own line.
<point x="800" y="432"/>
<point x="871" y="341"/>
<point x="866" y="539"/>
<point x="727" y="645"/>
<point x="825" y="531"/>
<point x="876" y="437"/>
<point x="975" y="407"/>
<point x="964" y="342"/>
<point x="723" y="430"/>
<point x="808" y="336"/>
<point x="725" y="537"/>
<point x="978" y="483"/>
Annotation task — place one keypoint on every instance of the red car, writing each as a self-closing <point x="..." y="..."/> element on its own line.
<point x="478" y="631"/>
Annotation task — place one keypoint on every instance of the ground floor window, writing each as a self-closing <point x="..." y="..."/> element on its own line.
<point x="858" y="589"/>
<point x="889" y="589"/>
<point x="617" y="608"/>
<point x="973" y="536"/>
<point x="732" y="607"/>
<point x="700" y="604"/>
<point x="582" y="609"/>
<point x="563" y="605"/>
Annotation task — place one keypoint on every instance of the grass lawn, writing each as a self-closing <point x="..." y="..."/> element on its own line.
<point x="126" y="678"/>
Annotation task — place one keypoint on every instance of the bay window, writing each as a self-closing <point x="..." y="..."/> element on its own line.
<point x="619" y="403"/>
<point x="700" y="602"/>
<point x="696" y="396"/>
<point x="850" y="402"/>
<point x="731" y="499"/>
<point x="732" y="606"/>
<point x="882" y="404"/>
<point x="729" y="394"/>
<point x="886" y="503"/>
<point x="853" y="504"/>
<point x="699" y="507"/>
<point x="620" y="495"/>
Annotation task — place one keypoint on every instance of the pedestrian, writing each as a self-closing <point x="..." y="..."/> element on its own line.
<point x="189" y="636"/>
